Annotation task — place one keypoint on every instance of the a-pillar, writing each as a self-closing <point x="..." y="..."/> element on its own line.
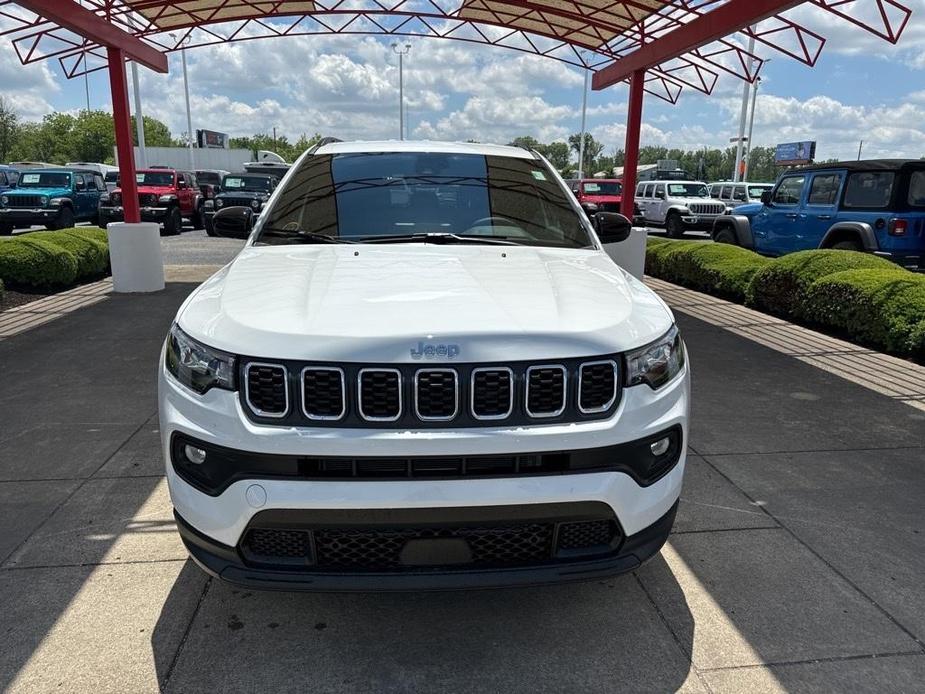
<point x="631" y="146"/>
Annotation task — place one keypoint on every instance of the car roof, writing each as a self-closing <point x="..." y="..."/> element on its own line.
<point x="600" y="180"/>
<point x="360" y="147"/>
<point x="865" y="165"/>
<point x="699" y="183"/>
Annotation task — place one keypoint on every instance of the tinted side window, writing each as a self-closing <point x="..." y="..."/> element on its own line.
<point x="823" y="190"/>
<point x="714" y="191"/>
<point x="640" y="191"/>
<point x="869" y="189"/>
<point x="789" y="190"/>
<point x="740" y="194"/>
<point x="79" y="183"/>
<point x="3" y="180"/>
<point x="99" y="182"/>
<point x="917" y="189"/>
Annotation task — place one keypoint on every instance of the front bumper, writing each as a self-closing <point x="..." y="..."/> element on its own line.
<point x="28" y="216"/>
<point x="910" y="261"/>
<point x="116" y="213"/>
<point x="698" y="222"/>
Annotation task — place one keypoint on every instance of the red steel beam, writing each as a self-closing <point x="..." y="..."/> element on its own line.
<point x="123" y="125"/>
<point x="67" y="14"/>
<point x="711" y="26"/>
<point x="631" y="146"/>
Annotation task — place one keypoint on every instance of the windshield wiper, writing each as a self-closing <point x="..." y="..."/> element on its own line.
<point x="442" y="237"/>
<point x="301" y="236"/>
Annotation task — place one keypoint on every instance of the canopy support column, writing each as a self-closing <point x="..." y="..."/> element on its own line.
<point x="122" y="120"/>
<point x="631" y="146"/>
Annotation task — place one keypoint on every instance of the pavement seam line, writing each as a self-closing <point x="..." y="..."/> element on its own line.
<point x="189" y="627"/>
<point x="76" y="489"/>
<point x="899" y="625"/>
<point x="688" y="656"/>
<point x="92" y="564"/>
<point x="815" y="661"/>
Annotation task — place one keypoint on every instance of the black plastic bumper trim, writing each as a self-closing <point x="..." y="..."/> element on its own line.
<point x="223" y="562"/>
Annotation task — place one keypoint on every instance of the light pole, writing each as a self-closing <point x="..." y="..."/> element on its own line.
<point x="139" y="120"/>
<point x="741" y="140"/>
<point x="189" y="116"/>
<point x="584" y="111"/>
<point x="402" y="51"/>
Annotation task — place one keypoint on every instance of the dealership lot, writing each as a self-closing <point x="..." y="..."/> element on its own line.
<point x="795" y="562"/>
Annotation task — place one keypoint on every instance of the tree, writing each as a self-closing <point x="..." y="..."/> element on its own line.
<point x="558" y="154"/>
<point x="593" y="149"/>
<point x="157" y="134"/>
<point x="9" y="123"/>
<point x="93" y="137"/>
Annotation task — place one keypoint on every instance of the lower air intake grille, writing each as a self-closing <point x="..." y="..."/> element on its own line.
<point x="380" y="394"/>
<point x="585" y="534"/>
<point x="323" y="393"/>
<point x="267" y="389"/>
<point x="272" y="546"/>
<point x="545" y="391"/>
<point x="598" y="386"/>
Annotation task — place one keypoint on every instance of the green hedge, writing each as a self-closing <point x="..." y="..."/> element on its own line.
<point x="94" y="233"/>
<point x="781" y="286"/>
<point x="865" y="298"/>
<point x="28" y="261"/>
<point x="884" y="307"/>
<point x="92" y="255"/>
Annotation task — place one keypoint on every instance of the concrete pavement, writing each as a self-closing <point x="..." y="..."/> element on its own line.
<point x="795" y="564"/>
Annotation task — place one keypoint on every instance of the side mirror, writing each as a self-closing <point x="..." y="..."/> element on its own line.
<point x="234" y="222"/>
<point x="766" y="197"/>
<point x="612" y="227"/>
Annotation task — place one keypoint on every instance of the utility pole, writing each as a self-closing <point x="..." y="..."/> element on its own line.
<point x="402" y="52"/>
<point x="189" y="115"/>
<point x="751" y="129"/>
<point x="584" y="110"/>
<point x="139" y="120"/>
<point x="860" y="147"/>
<point x="741" y="141"/>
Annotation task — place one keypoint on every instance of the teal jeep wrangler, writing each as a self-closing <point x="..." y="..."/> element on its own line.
<point x="55" y="198"/>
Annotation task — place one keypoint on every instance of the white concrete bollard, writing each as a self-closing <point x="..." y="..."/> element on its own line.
<point x="630" y="254"/>
<point x="135" y="256"/>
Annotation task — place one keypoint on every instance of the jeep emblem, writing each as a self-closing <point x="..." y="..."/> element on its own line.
<point x="429" y="350"/>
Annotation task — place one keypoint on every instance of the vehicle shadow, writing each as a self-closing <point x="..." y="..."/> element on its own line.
<point x="599" y="636"/>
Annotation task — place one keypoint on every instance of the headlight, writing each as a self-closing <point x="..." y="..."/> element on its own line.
<point x="196" y="366"/>
<point x="218" y="202"/>
<point x="167" y="199"/>
<point x="656" y="363"/>
<point x="44" y="199"/>
<point x="104" y="198"/>
<point x="4" y="200"/>
<point x="255" y="204"/>
<point x="208" y="205"/>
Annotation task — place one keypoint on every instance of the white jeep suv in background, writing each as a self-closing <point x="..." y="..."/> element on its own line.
<point x="422" y="371"/>
<point x="679" y="206"/>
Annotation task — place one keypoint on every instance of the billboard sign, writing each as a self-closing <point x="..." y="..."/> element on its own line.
<point x="794" y="153"/>
<point x="212" y="139"/>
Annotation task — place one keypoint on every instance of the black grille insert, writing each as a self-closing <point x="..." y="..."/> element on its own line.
<point x="274" y="546"/>
<point x="597" y="386"/>
<point x="323" y="393"/>
<point x="492" y="393"/>
<point x="436" y="394"/>
<point x="24" y="201"/>
<point x="380" y="394"/>
<point x="586" y="534"/>
<point x="267" y="389"/>
<point x="545" y="391"/>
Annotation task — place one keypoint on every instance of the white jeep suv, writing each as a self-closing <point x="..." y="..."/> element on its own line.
<point x="422" y="371"/>
<point x="678" y="206"/>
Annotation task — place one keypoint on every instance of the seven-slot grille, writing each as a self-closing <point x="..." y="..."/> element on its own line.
<point x="380" y="394"/>
<point x="546" y="389"/>
<point x="267" y="389"/>
<point x="24" y="201"/>
<point x="324" y="393"/>
<point x="236" y="202"/>
<point x="467" y="395"/>
<point x="147" y="199"/>
<point x="707" y="208"/>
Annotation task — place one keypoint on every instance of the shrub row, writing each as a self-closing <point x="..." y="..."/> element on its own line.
<point x="48" y="260"/>
<point x="865" y="298"/>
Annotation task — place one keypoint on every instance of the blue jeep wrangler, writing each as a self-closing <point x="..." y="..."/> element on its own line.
<point x="8" y="177"/>
<point x="55" y="198"/>
<point x="874" y="206"/>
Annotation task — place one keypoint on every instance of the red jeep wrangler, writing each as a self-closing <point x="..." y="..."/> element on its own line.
<point x="598" y="194"/>
<point x="164" y="195"/>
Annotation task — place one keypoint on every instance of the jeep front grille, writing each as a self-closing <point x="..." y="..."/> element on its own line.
<point x="345" y="394"/>
<point x="149" y="199"/>
<point x="707" y="208"/>
<point x="25" y="201"/>
<point x="236" y="202"/>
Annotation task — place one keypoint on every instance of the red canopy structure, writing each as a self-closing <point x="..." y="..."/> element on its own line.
<point x="660" y="47"/>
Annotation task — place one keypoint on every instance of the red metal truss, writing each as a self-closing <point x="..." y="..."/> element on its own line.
<point x="884" y="18"/>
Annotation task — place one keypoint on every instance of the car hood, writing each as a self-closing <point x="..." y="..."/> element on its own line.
<point x="601" y="198"/>
<point x="379" y="303"/>
<point x="749" y="209"/>
<point x="50" y="192"/>
<point x="151" y="190"/>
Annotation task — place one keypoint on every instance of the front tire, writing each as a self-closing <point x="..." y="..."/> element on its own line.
<point x="174" y="222"/>
<point x="847" y="245"/>
<point x="6" y="229"/>
<point x="64" y="220"/>
<point x="726" y="235"/>
<point x="674" y="227"/>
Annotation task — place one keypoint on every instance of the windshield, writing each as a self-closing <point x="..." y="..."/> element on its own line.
<point x="45" y="180"/>
<point x="254" y="183"/>
<point x="208" y="177"/>
<point x="112" y="177"/>
<point x="602" y="188"/>
<point x="756" y="191"/>
<point x="154" y="178"/>
<point x="365" y="196"/>
<point x="687" y="190"/>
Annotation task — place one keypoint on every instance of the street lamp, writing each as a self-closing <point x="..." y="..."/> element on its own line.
<point x="751" y="123"/>
<point x="402" y="51"/>
<point x="584" y="111"/>
<point x="189" y="115"/>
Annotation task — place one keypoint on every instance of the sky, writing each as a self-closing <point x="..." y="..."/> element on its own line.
<point x="862" y="88"/>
